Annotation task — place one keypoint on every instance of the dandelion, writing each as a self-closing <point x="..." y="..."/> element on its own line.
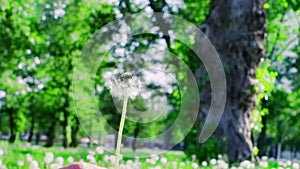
<point x="154" y="157"/>
<point x="194" y="165"/>
<point x="1" y="152"/>
<point x="213" y="161"/>
<point x="29" y="158"/>
<point x="194" y="157"/>
<point x="112" y="158"/>
<point x="148" y="160"/>
<point x="174" y="163"/>
<point x="163" y="160"/>
<point x="129" y="162"/>
<point x="92" y="153"/>
<point x="127" y="86"/>
<point x="70" y="159"/>
<point x="20" y="163"/>
<point x="263" y="164"/>
<point x="34" y="165"/>
<point x="49" y="157"/>
<point x="59" y="160"/>
<point x="55" y="166"/>
<point x="3" y="167"/>
<point x="99" y="150"/>
<point x="247" y="164"/>
<point x="222" y="164"/>
<point x="91" y="159"/>
<point x="106" y="158"/>
<point x="295" y="166"/>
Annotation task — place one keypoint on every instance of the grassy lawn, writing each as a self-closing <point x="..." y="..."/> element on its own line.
<point x="23" y="155"/>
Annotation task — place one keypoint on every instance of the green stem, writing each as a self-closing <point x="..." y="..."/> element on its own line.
<point x="119" y="141"/>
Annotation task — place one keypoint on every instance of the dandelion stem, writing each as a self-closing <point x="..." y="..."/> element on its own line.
<point x="119" y="141"/>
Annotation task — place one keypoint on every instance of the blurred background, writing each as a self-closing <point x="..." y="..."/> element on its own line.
<point x="41" y="112"/>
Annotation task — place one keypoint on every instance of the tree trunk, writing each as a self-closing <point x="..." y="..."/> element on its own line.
<point x="64" y="128"/>
<point x="279" y="145"/>
<point x="51" y="134"/>
<point x="31" y="128"/>
<point x="261" y="141"/>
<point x="237" y="30"/>
<point x="66" y="104"/>
<point x="74" y="132"/>
<point x="37" y="138"/>
<point x="12" y="125"/>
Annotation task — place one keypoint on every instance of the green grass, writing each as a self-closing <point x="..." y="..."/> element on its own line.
<point x="176" y="159"/>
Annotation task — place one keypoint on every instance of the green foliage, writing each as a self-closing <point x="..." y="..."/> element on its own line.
<point x="205" y="151"/>
<point x="266" y="82"/>
<point x="195" y="11"/>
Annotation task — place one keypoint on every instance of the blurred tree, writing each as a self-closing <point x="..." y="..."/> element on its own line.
<point x="280" y="45"/>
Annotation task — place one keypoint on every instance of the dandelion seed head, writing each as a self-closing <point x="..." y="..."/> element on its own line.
<point x="126" y="85"/>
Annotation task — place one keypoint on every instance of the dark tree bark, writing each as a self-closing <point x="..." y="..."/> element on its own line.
<point x="37" y="138"/>
<point x="64" y="127"/>
<point x="51" y="134"/>
<point x="31" y="128"/>
<point x="237" y="30"/>
<point x="12" y="125"/>
<point x="261" y="141"/>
